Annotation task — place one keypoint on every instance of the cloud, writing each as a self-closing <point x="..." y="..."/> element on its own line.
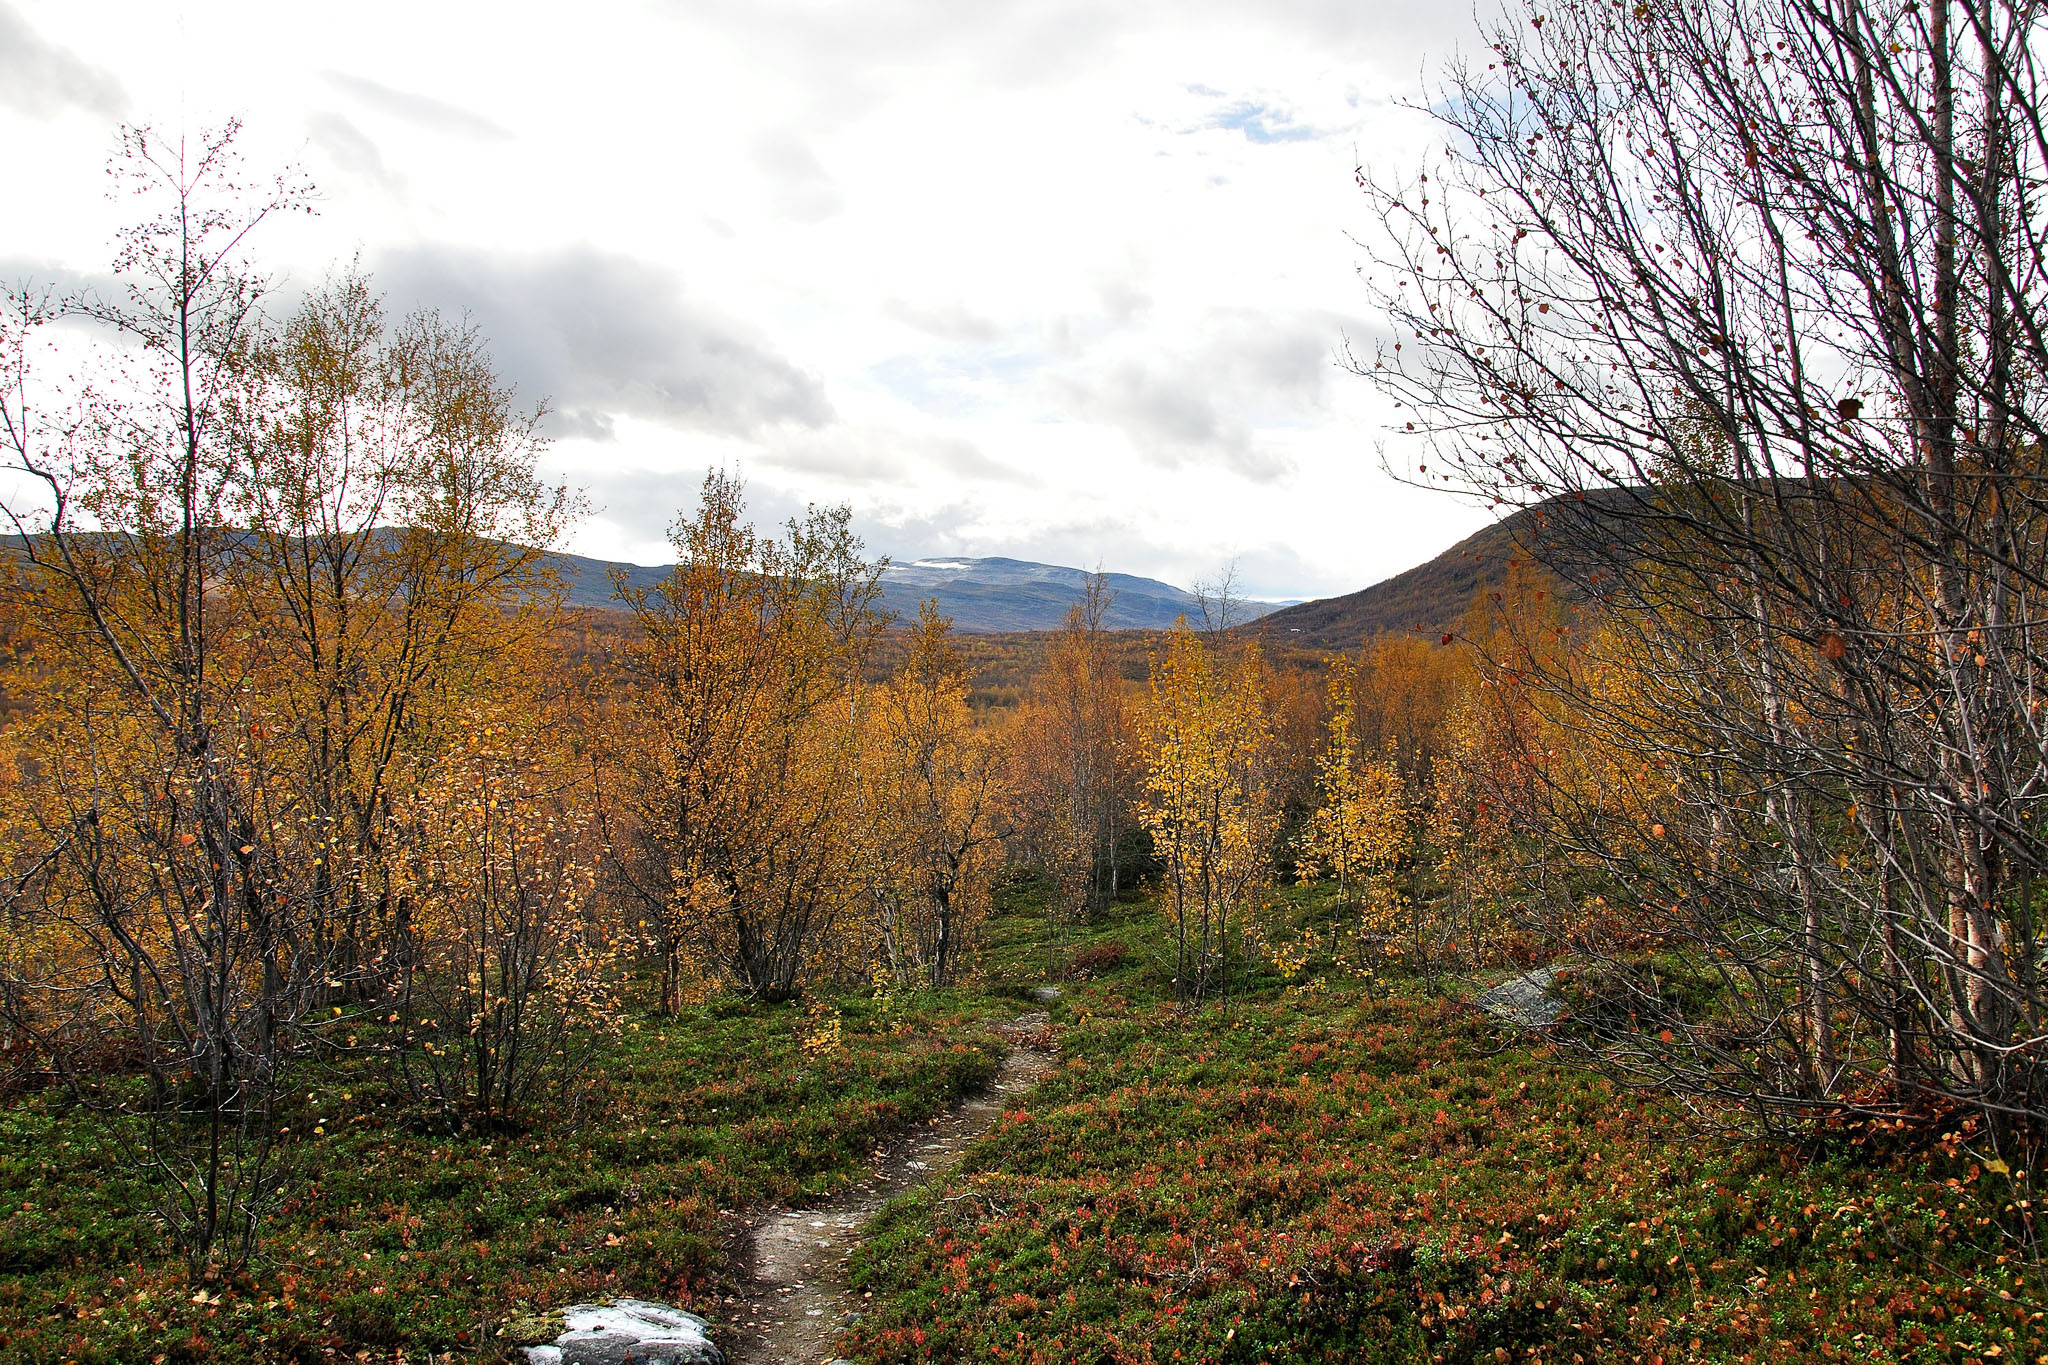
<point x="870" y="455"/>
<point x="799" y="186"/>
<point x="848" y="60"/>
<point x="420" y="110"/>
<point x="350" y="150"/>
<point x="839" y="453"/>
<point x="39" y="78"/>
<point x="46" y="278"/>
<point x="1171" y="416"/>
<point x="957" y="382"/>
<point x="604" y="335"/>
<point x="1207" y="402"/>
<point x="947" y="321"/>
<point x="1124" y="300"/>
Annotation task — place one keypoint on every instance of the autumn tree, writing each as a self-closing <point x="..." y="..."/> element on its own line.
<point x="1072" y="774"/>
<point x="1749" y="298"/>
<point x="1359" y="832"/>
<point x="1405" y="687"/>
<point x="1209" y="807"/>
<point x="936" y="797"/>
<point x="1297" y="707"/>
<point x="1499" y="752"/>
<point x="726" y="798"/>
<point x="223" y="679"/>
<point x="394" y="539"/>
<point x="504" y="972"/>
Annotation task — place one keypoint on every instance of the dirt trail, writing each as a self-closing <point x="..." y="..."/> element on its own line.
<point x="795" y="1303"/>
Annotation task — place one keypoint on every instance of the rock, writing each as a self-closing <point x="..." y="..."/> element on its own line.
<point x="1525" y="1001"/>
<point x="1045" y="995"/>
<point x="623" y="1331"/>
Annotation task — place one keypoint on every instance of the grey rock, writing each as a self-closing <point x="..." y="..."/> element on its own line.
<point x="1045" y="995"/>
<point x="628" y="1332"/>
<point x="1526" y="1001"/>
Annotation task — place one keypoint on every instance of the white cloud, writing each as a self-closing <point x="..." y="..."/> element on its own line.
<point x="421" y="111"/>
<point x="1045" y="278"/>
<point x="350" y="151"/>
<point x="39" y="78"/>
<point x="601" y="335"/>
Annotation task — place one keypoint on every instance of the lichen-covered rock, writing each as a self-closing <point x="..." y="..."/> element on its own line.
<point x="622" y="1332"/>
<point x="1526" y="1001"/>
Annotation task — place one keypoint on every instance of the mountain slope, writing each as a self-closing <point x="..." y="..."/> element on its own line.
<point x="1433" y="597"/>
<point x="981" y="595"/>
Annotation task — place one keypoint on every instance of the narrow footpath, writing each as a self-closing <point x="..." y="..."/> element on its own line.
<point x="796" y="1303"/>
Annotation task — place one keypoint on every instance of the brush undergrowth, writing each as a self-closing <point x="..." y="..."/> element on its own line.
<point x="1333" y="1169"/>
<point x="1362" y="1171"/>
<point x="401" y="1242"/>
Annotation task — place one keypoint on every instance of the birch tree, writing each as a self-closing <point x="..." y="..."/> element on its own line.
<point x="1747" y="298"/>
<point x="1208" y="802"/>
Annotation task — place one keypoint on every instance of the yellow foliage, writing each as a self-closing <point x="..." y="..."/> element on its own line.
<point x="930" y="801"/>
<point x="1361" y="830"/>
<point x="819" y="1035"/>
<point x="1206" y="737"/>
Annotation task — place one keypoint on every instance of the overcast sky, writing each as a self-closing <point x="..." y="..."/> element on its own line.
<point x="1057" y="281"/>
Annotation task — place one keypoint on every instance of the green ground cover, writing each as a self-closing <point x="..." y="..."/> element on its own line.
<point x="1358" y="1171"/>
<point x="1354" y="1174"/>
<point x="402" y="1241"/>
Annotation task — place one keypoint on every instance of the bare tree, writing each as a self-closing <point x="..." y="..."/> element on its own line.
<point x="161" y="844"/>
<point x="1219" y="602"/>
<point x="1748" y="298"/>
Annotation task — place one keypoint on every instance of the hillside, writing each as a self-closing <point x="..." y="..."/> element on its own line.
<point x="981" y="595"/>
<point x="1433" y="596"/>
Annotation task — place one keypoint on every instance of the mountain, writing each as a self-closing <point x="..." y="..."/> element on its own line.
<point x="981" y="595"/>
<point x="1433" y="597"/>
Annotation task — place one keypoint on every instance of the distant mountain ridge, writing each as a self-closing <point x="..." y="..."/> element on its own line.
<point x="981" y="595"/>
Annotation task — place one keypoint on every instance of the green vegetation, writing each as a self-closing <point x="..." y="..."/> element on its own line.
<point x="1324" y="1175"/>
<point x="1337" y="1169"/>
<point x="398" y="1239"/>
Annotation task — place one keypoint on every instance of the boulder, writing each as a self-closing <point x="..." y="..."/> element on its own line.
<point x="626" y="1332"/>
<point x="1526" y="1001"/>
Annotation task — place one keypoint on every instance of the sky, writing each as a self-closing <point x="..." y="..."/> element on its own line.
<point x="1057" y="281"/>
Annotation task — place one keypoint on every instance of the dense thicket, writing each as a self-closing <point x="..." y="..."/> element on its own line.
<point x="269" y="578"/>
<point x="1753" y="294"/>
